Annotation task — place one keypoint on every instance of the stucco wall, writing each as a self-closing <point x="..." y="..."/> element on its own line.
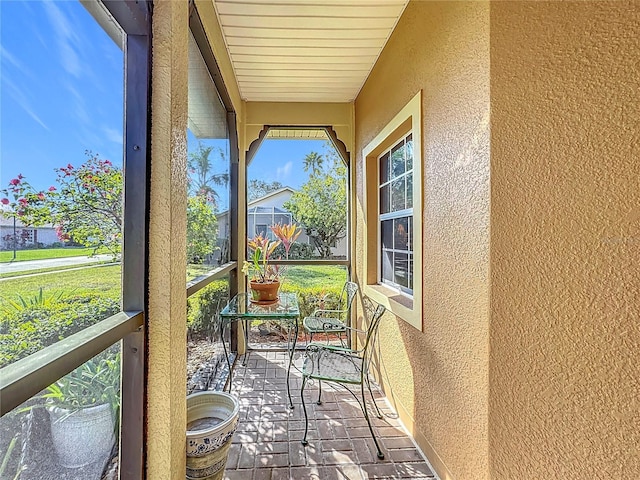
<point x="438" y="378"/>
<point x="166" y="322"/>
<point x="565" y="240"/>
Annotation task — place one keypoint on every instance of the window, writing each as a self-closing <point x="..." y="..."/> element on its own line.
<point x="396" y="215"/>
<point x="393" y="187"/>
<point x="83" y="72"/>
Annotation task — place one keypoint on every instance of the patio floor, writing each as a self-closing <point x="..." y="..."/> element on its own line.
<point x="267" y="442"/>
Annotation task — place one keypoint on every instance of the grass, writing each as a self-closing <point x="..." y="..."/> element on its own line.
<point x="194" y="270"/>
<point x="105" y="280"/>
<point x="44" y="253"/>
<point x="49" y="270"/>
<point x="311" y="276"/>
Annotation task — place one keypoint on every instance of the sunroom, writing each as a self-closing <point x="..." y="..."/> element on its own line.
<point x="490" y="151"/>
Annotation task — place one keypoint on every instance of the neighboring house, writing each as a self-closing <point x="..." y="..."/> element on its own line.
<point x="44" y="235"/>
<point x="269" y="210"/>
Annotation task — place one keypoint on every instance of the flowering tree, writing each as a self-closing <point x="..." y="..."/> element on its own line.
<point x="86" y="206"/>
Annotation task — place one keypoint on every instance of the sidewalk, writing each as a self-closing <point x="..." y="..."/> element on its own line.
<point x="29" y="265"/>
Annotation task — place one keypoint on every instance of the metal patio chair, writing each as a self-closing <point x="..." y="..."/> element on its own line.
<point x="332" y="321"/>
<point x="344" y="366"/>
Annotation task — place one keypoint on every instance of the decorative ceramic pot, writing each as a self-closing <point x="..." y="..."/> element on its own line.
<point x="212" y="418"/>
<point x="264" y="292"/>
<point x="83" y="436"/>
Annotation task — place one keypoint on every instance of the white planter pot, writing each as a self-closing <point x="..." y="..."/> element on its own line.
<point x="212" y="418"/>
<point x="83" y="436"/>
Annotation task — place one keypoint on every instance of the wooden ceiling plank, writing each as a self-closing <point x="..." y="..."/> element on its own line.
<point x="356" y="3"/>
<point x="306" y="51"/>
<point x="302" y="10"/>
<point x="308" y="33"/>
<point x="302" y="59"/>
<point x="303" y="42"/>
<point x="257" y="68"/>
<point x="305" y="22"/>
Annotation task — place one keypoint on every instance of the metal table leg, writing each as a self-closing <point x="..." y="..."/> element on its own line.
<point x="226" y="356"/>
<point x="291" y="353"/>
<point x="246" y="324"/>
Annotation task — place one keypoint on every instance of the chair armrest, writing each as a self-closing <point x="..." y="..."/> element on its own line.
<point x="316" y="347"/>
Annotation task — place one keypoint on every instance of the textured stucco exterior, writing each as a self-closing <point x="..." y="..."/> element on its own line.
<point x="527" y="363"/>
<point x="167" y="349"/>
<point x="565" y="240"/>
<point x="438" y="377"/>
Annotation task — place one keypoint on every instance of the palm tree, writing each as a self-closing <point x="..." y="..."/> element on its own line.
<point x="202" y="178"/>
<point x="313" y="161"/>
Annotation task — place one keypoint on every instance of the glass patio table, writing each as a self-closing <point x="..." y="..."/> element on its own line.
<point x="242" y="309"/>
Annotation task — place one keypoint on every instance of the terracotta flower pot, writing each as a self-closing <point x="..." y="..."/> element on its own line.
<point x="264" y="292"/>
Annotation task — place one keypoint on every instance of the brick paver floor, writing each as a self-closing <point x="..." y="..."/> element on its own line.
<point x="267" y="442"/>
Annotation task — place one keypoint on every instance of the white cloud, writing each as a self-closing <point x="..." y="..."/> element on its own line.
<point x="113" y="135"/>
<point x="65" y="38"/>
<point x="23" y="102"/>
<point x="282" y="173"/>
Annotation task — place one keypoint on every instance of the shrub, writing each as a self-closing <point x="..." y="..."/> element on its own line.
<point x="298" y="251"/>
<point x="30" y="329"/>
<point x="312" y="298"/>
<point x="203" y="306"/>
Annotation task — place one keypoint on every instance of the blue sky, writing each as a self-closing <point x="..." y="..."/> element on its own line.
<point x="62" y="93"/>
<point x="282" y="161"/>
<point x="61" y="90"/>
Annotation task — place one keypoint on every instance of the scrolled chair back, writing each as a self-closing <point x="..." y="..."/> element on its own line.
<point x="374" y="312"/>
<point x="349" y="291"/>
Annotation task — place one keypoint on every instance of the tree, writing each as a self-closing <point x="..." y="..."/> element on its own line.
<point x="86" y="206"/>
<point x="313" y="163"/>
<point x="18" y="199"/>
<point x="202" y="229"/>
<point x="260" y="188"/>
<point x="321" y="206"/>
<point x="203" y="180"/>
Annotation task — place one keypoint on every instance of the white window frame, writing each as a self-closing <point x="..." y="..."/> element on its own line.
<point x="404" y="305"/>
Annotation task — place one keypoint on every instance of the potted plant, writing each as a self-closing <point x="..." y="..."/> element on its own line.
<point x="264" y="276"/>
<point x="84" y="407"/>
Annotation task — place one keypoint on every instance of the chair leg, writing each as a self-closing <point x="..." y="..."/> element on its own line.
<point x="319" y="402"/>
<point x="366" y="416"/>
<point x="375" y="404"/>
<point x="304" y="409"/>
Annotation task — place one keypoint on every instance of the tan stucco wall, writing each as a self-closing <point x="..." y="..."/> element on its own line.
<point x="438" y="378"/>
<point x="167" y="349"/>
<point x="565" y="240"/>
<point x="336" y="115"/>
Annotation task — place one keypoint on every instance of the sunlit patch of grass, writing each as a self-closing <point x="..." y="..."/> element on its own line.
<point x="44" y="253"/>
<point x="102" y="280"/>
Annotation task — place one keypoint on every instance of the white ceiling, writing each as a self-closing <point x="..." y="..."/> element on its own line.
<point x="305" y="50"/>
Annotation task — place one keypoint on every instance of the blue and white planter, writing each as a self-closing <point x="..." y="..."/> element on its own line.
<point x="212" y="419"/>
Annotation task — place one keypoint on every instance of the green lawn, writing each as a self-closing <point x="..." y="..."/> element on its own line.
<point x="107" y="280"/>
<point x="49" y="269"/>
<point x="42" y="253"/>
<point x="308" y="276"/>
<point x="104" y="280"/>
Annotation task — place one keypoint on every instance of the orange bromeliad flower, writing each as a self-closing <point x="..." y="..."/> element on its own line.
<point x="287" y="235"/>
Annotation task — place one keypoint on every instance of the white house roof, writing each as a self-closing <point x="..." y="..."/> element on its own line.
<point x="6" y="221"/>
<point x="263" y="198"/>
<point x="305" y="50"/>
<point x="271" y="194"/>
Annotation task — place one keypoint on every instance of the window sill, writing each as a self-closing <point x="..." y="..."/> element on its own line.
<point x="400" y="305"/>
